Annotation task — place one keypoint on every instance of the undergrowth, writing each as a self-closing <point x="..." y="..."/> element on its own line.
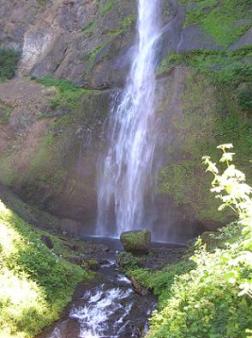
<point x="208" y="294"/>
<point x="35" y="283"/>
<point x="8" y="63"/>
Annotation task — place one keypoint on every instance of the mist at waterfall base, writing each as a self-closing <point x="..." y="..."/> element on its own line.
<point x="126" y="172"/>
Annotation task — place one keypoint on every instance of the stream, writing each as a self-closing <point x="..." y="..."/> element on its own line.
<point x="108" y="306"/>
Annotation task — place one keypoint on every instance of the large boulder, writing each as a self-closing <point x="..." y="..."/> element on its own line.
<point x="136" y="241"/>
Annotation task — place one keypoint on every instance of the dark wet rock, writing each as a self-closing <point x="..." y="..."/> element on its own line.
<point x="193" y="38"/>
<point x="211" y="241"/>
<point x="47" y="241"/>
<point x="79" y="260"/>
<point x="107" y="306"/>
<point x="70" y="227"/>
<point x="136" y="241"/>
<point x="72" y="246"/>
<point x="138" y="288"/>
<point x="245" y="40"/>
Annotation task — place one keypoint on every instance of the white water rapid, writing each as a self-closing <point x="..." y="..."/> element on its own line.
<point x="108" y="309"/>
<point x="125" y="171"/>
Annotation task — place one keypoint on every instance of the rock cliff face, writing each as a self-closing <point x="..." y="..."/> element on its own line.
<point x="75" y="54"/>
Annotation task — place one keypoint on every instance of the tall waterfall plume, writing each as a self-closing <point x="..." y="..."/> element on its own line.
<point x="125" y="170"/>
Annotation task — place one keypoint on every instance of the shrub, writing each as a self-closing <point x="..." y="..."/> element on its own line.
<point x="35" y="284"/>
<point x="211" y="298"/>
<point x="8" y="63"/>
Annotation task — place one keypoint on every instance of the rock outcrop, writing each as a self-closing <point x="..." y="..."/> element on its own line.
<point x="136" y="241"/>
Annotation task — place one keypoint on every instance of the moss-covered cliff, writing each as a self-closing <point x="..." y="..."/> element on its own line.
<point x="73" y="54"/>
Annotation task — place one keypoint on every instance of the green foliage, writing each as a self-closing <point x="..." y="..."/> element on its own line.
<point x="211" y="113"/>
<point x="160" y="282"/>
<point x="35" y="284"/>
<point x="68" y="94"/>
<point x="231" y="188"/>
<point x="8" y="63"/>
<point x="209" y="294"/>
<point x="230" y="70"/>
<point x="127" y="261"/>
<point x="224" y="20"/>
<point x="5" y="112"/>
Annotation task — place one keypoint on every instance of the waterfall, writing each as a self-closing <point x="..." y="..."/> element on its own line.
<point x="125" y="172"/>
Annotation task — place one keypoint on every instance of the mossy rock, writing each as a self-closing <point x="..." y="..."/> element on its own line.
<point x="92" y="264"/>
<point x="136" y="241"/>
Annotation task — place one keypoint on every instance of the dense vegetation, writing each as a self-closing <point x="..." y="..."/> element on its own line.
<point x="35" y="283"/>
<point x="8" y="63"/>
<point x="208" y="293"/>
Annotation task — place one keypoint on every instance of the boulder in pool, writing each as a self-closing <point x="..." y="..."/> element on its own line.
<point x="136" y="241"/>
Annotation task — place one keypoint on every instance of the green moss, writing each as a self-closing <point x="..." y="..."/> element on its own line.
<point x="8" y="63"/>
<point x="231" y="70"/>
<point x="89" y="28"/>
<point x="91" y="57"/>
<point x="225" y="21"/>
<point x="68" y="94"/>
<point x="210" y="116"/>
<point x="46" y="280"/>
<point x="136" y="241"/>
<point x="5" y="112"/>
<point x="124" y="26"/>
<point x="106" y="6"/>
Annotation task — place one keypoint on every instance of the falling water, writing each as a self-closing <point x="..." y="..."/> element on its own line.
<point x="125" y="171"/>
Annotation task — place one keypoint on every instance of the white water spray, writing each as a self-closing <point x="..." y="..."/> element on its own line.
<point x="125" y="172"/>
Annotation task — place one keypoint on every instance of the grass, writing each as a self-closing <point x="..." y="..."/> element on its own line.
<point x="8" y="63"/>
<point x="47" y="281"/>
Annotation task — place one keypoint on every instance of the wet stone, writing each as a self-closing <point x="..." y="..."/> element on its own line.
<point x="108" y="306"/>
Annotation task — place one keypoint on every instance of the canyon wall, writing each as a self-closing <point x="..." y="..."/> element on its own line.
<point x="74" y="56"/>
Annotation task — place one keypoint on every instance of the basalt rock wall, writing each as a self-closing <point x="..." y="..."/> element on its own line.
<point x="74" y="57"/>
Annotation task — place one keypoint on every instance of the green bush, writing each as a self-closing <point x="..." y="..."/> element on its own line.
<point x="209" y="293"/>
<point x="35" y="283"/>
<point x="8" y="63"/>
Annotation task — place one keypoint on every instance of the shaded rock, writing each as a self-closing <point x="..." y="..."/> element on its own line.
<point x="47" y="241"/>
<point x="138" y="288"/>
<point x="193" y="38"/>
<point x="136" y="241"/>
<point x="209" y="239"/>
<point x="70" y="227"/>
<point x="76" y="260"/>
<point x="244" y="41"/>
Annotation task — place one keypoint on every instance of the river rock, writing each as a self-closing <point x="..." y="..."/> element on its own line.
<point x="136" y="241"/>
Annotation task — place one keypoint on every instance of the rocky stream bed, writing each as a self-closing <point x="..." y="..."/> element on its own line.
<point x="111" y="305"/>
